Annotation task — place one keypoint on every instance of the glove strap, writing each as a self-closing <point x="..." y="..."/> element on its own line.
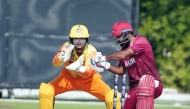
<point x="107" y="65"/>
<point x="103" y="58"/>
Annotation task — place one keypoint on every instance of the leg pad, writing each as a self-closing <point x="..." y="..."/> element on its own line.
<point x="46" y="96"/>
<point x="109" y="100"/>
<point x="145" y="93"/>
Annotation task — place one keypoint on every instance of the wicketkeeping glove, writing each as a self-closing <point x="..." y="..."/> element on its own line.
<point x="77" y="65"/>
<point x="65" y="54"/>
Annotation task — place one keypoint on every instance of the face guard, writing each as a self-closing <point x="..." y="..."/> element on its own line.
<point x="124" y="41"/>
<point x="125" y="38"/>
<point x="79" y="43"/>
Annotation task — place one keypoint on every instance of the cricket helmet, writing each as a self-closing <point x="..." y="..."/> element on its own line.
<point x="79" y="31"/>
<point x="121" y="27"/>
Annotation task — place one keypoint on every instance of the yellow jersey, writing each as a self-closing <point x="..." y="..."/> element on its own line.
<point x="89" y="52"/>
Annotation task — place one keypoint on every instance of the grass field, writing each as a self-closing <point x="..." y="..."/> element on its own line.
<point x="28" y="104"/>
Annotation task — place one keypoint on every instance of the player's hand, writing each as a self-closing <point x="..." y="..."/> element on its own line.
<point x="93" y="65"/>
<point x="98" y="63"/>
<point x="77" y="65"/>
<point x="103" y="64"/>
<point x="65" y="54"/>
<point x="99" y="57"/>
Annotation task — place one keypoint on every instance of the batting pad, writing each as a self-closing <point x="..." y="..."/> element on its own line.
<point x="46" y="96"/>
<point x="145" y="93"/>
<point x="109" y="100"/>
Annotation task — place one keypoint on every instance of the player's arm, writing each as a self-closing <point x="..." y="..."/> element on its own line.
<point x="56" y="61"/>
<point x="82" y="66"/>
<point x="91" y="52"/>
<point x="120" y="55"/>
<point x="63" y="55"/>
<point x="117" y="70"/>
<point x="99" y="65"/>
<point x="88" y="68"/>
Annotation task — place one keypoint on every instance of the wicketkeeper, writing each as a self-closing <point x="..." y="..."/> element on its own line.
<point x="76" y="73"/>
<point x="136" y="58"/>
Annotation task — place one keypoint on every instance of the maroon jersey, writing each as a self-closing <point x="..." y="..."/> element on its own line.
<point x="142" y="62"/>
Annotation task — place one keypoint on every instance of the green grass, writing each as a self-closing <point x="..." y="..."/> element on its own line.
<point x="84" y="105"/>
<point x="21" y="105"/>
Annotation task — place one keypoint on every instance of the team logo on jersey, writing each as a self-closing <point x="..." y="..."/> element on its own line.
<point x="130" y="62"/>
<point x="79" y="30"/>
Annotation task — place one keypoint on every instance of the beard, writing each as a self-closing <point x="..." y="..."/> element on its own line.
<point x="125" y="45"/>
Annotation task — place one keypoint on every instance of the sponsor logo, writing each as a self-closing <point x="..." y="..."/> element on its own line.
<point x="79" y="30"/>
<point x="130" y="62"/>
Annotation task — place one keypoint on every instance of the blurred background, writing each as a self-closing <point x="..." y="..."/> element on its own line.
<point x="31" y="32"/>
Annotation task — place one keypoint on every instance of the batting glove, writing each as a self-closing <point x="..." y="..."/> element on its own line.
<point x="103" y="64"/>
<point x="100" y="61"/>
<point x="99" y="57"/>
<point x="77" y="65"/>
<point x="65" y="54"/>
<point x="93" y="65"/>
<point x="99" y="65"/>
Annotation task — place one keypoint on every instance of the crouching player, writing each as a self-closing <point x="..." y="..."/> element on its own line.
<point x="76" y="73"/>
<point x="137" y="59"/>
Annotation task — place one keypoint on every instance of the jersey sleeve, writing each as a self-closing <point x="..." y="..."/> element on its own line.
<point x="56" y="61"/>
<point x="139" y="45"/>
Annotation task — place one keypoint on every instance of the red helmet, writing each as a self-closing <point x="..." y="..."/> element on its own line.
<point x="120" y="27"/>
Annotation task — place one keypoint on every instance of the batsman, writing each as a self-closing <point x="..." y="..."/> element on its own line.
<point x="76" y="73"/>
<point x="136" y="58"/>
